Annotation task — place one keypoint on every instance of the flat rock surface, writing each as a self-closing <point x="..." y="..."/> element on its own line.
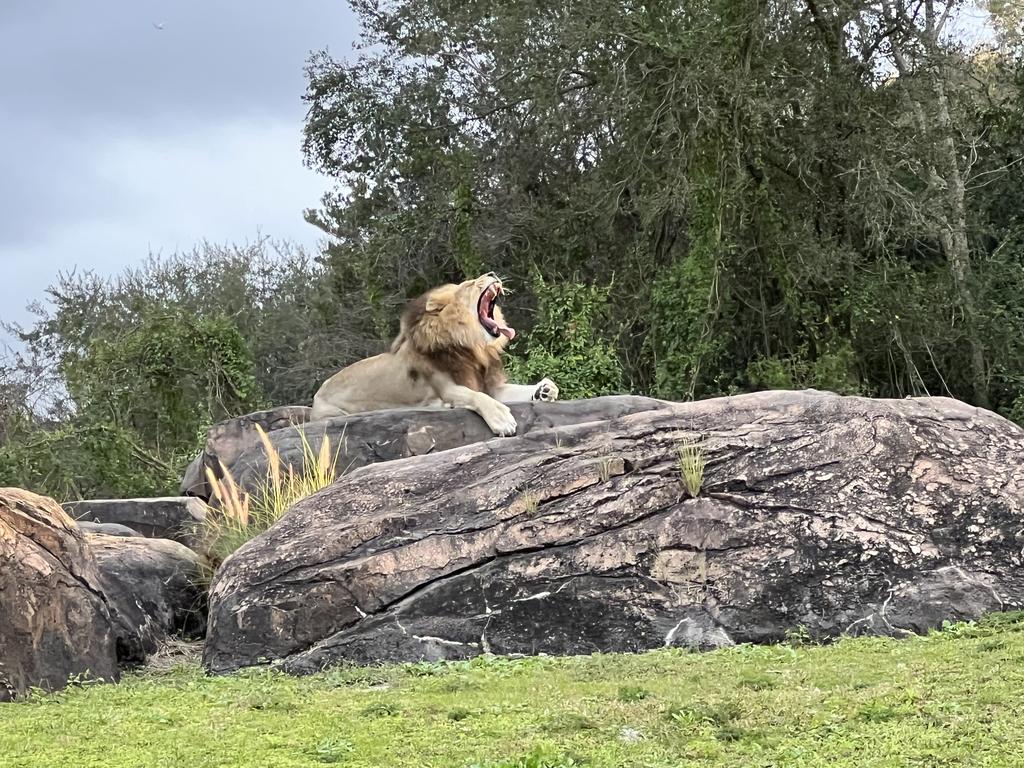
<point x="838" y="514"/>
<point x="369" y="438"/>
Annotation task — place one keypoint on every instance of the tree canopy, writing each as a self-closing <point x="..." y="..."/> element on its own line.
<point x="774" y="193"/>
<point x="690" y="198"/>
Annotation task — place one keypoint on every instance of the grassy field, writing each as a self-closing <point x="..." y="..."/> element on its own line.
<point x="954" y="698"/>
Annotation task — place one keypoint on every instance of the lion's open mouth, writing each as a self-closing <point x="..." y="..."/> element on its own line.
<point x="485" y="309"/>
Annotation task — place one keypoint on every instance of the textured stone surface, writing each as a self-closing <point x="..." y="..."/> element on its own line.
<point x="844" y="515"/>
<point x="368" y="438"/>
<point x="110" y="529"/>
<point x="170" y="517"/>
<point x="153" y="589"/>
<point x="54" y="620"/>
<point x="230" y="439"/>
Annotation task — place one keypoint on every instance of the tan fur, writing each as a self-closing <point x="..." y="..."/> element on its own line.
<point x="442" y="355"/>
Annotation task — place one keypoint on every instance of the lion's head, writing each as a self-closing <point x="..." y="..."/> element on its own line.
<point x="463" y="316"/>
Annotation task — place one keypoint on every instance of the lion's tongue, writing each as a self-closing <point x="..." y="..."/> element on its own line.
<point x="495" y="327"/>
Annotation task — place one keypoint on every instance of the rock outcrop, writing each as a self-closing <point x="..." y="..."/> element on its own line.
<point x="837" y="514"/>
<point x="153" y="589"/>
<point x="54" y="621"/>
<point x="379" y="436"/>
<point x="228" y="440"/>
<point x="170" y="517"/>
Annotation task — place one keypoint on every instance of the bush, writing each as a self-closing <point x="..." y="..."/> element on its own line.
<point x="565" y="345"/>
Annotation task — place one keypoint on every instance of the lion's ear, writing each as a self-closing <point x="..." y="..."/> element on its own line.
<point x="435" y="305"/>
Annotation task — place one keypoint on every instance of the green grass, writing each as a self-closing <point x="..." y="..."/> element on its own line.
<point x="692" y="462"/>
<point x="953" y="698"/>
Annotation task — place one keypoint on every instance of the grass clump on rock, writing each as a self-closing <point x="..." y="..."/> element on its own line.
<point x="237" y="515"/>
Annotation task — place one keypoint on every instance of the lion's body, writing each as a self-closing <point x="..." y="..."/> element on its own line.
<point x="391" y="387"/>
<point x="446" y="353"/>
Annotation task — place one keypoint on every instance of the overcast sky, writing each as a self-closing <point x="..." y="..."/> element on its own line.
<point x="137" y="126"/>
<point x="131" y="126"/>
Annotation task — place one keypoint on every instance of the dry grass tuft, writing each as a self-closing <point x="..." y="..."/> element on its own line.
<point x="238" y="516"/>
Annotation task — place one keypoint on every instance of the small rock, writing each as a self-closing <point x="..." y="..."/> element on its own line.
<point x="170" y="517"/>
<point x="630" y="736"/>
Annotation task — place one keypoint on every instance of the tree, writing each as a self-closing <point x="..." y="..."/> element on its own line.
<point x="133" y="369"/>
<point x="785" y="193"/>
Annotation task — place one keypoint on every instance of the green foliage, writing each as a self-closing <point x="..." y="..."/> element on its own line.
<point x="952" y="697"/>
<point x="690" y="333"/>
<point x="466" y="254"/>
<point x="332" y="751"/>
<point x="832" y="371"/>
<point x="122" y="377"/>
<point x="692" y="462"/>
<point x="538" y="757"/>
<point x="773" y="186"/>
<point x="567" y="344"/>
<point x="630" y="693"/>
<point x="142" y="396"/>
<point x="166" y="377"/>
<point x="83" y="460"/>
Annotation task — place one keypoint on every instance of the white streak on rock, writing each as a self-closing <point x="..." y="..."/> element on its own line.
<point x="538" y="596"/>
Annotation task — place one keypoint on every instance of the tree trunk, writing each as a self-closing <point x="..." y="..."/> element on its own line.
<point x="957" y="246"/>
<point x="945" y="175"/>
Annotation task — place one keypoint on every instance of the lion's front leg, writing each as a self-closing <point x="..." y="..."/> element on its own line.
<point x="545" y="390"/>
<point x="497" y="415"/>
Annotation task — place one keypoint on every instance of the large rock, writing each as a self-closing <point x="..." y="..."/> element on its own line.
<point x="153" y="589"/>
<point x="838" y="514"/>
<point x="170" y="517"/>
<point x="226" y="441"/>
<point x="395" y="434"/>
<point x="54" y="620"/>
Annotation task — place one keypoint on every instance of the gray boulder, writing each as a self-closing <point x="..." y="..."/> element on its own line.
<point x="171" y="517"/>
<point x="369" y="438"/>
<point x="228" y="440"/>
<point x="55" y="623"/>
<point x="154" y="590"/>
<point x="837" y="514"/>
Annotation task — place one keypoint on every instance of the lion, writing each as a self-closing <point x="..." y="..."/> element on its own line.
<point x="447" y="353"/>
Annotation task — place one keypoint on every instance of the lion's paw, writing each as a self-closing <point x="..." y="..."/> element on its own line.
<point x="547" y="391"/>
<point x="501" y="421"/>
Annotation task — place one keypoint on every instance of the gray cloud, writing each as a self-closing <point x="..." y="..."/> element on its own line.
<point x="120" y="138"/>
<point x="89" y="60"/>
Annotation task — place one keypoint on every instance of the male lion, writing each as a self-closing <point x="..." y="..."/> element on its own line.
<point x="448" y="351"/>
